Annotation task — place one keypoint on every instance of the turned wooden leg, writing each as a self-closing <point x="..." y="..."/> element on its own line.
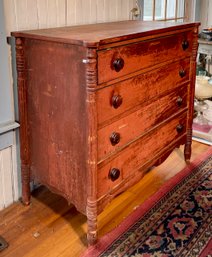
<point x="187" y="148"/>
<point x="92" y="223"/>
<point x="92" y="233"/>
<point x="25" y="184"/>
<point x="187" y="152"/>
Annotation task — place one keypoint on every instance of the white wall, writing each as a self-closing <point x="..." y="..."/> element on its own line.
<point x="35" y="14"/>
<point x="206" y="13"/>
<point x="6" y="108"/>
<point x="9" y="175"/>
<point x="8" y="151"/>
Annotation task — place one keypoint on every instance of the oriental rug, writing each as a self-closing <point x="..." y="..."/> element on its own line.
<point x="176" y="221"/>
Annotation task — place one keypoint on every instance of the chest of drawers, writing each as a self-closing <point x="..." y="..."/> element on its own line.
<point x="101" y="104"/>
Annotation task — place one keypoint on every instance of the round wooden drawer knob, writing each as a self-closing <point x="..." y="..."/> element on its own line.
<point x="185" y="45"/>
<point x="179" y="101"/>
<point x="115" y="138"/>
<point x="116" y="101"/>
<point x="114" y="174"/>
<point x="118" y="64"/>
<point x="182" y="73"/>
<point x="179" y="128"/>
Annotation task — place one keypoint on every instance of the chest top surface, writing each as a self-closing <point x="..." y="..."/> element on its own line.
<point x="93" y="35"/>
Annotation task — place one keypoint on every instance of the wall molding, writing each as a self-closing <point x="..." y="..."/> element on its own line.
<point x="7" y="134"/>
<point x="10" y="179"/>
<point x="6" y="127"/>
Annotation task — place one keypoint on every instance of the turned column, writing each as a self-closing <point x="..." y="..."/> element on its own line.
<point x="187" y="149"/>
<point x="91" y="83"/>
<point x="22" y="103"/>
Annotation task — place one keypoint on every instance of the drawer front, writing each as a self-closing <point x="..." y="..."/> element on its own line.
<point x="118" y="61"/>
<point x="139" y="89"/>
<point x="121" y="132"/>
<point x="126" y="164"/>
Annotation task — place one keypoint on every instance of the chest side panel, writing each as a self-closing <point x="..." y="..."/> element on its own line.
<point x="56" y="98"/>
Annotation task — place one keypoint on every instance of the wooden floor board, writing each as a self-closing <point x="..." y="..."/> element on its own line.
<point x="51" y="228"/>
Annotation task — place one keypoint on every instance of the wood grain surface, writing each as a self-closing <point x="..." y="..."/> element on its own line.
<point x="139" y="89"/>
<point x="141" y="55"/>
<point x="103" y="33"/>
<point x="133" y="126"/>
<point x="57" y="118"/>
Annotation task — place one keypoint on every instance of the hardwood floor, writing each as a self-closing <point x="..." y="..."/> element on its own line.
<point x="51" y="228"/>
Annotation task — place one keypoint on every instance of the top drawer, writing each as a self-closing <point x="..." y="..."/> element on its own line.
<point x="118" y="61"/>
